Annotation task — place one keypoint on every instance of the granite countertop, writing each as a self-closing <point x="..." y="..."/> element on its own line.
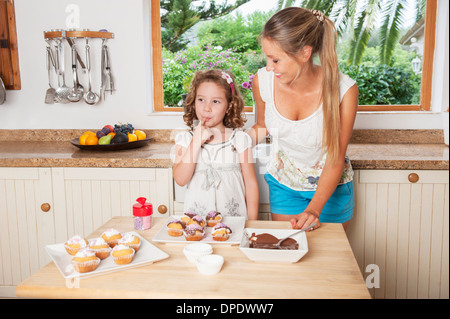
<point x="59" y="152"/>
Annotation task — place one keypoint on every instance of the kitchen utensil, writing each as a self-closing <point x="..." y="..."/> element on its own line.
<point x="108" y="70"/>
<point x="62" y="92"/>
<point x="102" y="69"/>
<point x="277" y="245"/>
<point x="90" y="97"/>
<point x="77" y="91"/>
<point x="50" y="94"/>
<point x="2" y="92"/>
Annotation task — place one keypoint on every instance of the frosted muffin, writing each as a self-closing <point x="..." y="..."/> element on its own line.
<point x="194" y="232"/>
<point x="85" y="261"/>
<point x="111" y="236"/>
<point x="175" y="228"/>
<point x="221" y="232"/>
<point x="187" y="217"/>
<point x="75" y="243"/>
<point x="100" y="248"/>
<point x="197" y="219"/>
<point x="122" y="254"/>
<point x="212" y="218"/>
<point x="131" y="241"/>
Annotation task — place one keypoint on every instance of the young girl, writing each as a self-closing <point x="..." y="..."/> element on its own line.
<point x="309" y="110"/>
<point x="215" y="159"/>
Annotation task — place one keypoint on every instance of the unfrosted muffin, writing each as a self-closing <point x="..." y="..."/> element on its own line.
<point x="197" y="219"/>
<point x="221" y="232"/>
<point x="175" y="228"/>
<point x="122" y="254"/>
<point x="100" y="247"/>
<point x="74" y="244"/>
<point x="111" y="236"/>
<point x="130" y="240"/>
<point x="212" y="218"/>
<point x="85" y="261"/>
<point x="194" y="232"/>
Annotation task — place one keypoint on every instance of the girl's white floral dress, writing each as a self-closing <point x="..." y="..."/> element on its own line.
<point x="217" y="183"/>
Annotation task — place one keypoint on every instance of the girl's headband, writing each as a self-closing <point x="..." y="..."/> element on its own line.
<point x="229" y="80"/>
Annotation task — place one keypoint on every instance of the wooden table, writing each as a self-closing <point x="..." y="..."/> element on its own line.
<point x="328" y="270"/>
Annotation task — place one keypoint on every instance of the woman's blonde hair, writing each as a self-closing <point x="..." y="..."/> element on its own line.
<point x="294" y="28"/>
<point x="234" y="118"/>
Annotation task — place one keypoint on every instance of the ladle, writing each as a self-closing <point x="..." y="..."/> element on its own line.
<point x="90" y="97"/>
<point x="77" y="91"/>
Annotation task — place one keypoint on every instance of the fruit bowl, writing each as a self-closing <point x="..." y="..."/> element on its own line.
<point x="111" y="147"/>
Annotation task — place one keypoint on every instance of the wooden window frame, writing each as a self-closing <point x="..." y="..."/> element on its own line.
<point x="427" y="65"/>
<point x="11" y="51"/>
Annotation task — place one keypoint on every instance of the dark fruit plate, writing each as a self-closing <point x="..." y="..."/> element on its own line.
<point x="111" y="147"/>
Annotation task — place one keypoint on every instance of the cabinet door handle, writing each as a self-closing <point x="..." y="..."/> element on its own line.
<point x="162" y="209"/>
<point x="45" y="207"/>
<point x="413" y="178"/>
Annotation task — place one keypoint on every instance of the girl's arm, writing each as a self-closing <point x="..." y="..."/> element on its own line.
<point x="186" y="158"/>
<point x="332" y="172"/>
<point x="250" y="182"/>
<point x="258" y="131"/>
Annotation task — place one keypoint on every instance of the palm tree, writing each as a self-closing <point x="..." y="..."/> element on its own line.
<point x="361" y="17"/>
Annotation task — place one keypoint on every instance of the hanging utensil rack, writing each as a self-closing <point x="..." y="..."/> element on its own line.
<point x="71" y="35"/>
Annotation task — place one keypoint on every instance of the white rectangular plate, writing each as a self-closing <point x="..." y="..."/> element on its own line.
<point x="236" y="225"/>
<point x="147" y="254"/>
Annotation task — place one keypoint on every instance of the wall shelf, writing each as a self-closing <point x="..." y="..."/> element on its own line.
<point x="78" y="34"/>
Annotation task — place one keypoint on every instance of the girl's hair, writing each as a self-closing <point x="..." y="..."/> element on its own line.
<point x="234" y="115"/>
<point x="292" y="29"/>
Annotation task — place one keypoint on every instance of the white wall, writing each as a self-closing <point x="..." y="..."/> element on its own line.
<point x="131" y="66"/>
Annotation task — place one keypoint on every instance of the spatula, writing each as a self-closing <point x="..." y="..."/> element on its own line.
<point x="50" y="94"/>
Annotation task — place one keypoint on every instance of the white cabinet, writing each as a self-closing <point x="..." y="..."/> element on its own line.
<point x="79" y="200"/>
<point x="24" y="228"/>
<point x="402" y="227"/>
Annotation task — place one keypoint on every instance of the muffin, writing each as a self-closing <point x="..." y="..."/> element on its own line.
<point x="100" y="248"/>
<point x="75" y="243"/>
<point x="213" y="218"/>
<point x="122" y="254"/>
<point x="175" y="228"/>
<point x="85" y="261"/>
<point x="111" y="236"/>
<point x="221" y="232"/>
<point x="198" y="220"/>
<point x="131" y="241"/>
<point x="187" y="217"/>
<point x="194" y="232"/>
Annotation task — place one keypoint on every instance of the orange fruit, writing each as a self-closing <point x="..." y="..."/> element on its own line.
<point x="83" y="137"/>
<point x="132" y="137"/>
<point x="112" y="133"/>
<point x="92" y="140"/>
<point x="140" y="135"/>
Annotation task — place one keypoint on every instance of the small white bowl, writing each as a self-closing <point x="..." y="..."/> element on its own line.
<point x="193" y="251"/>
<point x="209" y="264"/>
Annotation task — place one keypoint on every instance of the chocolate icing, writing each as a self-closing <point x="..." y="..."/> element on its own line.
<point x="268" y="241"/>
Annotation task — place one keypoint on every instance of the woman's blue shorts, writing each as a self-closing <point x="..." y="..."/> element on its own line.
<point x="286" y="201"/>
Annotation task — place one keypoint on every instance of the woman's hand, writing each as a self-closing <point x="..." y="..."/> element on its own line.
<point x="305" y="219"/>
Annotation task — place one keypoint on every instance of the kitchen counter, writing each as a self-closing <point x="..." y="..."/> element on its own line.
<point x="328" y="270"/>
<point x="58" y="152"/>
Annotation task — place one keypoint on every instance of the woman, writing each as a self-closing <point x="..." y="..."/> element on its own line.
<point x="309" y="110"/>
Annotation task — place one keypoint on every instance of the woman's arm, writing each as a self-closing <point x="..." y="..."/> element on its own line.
<point x="258" y="131"/>
<point x="250" y="182"/>
<point x="186" y="158"/>
<point x="332" y="172"/>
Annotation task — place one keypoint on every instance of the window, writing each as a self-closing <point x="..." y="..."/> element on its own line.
<point x="426" y="76"/>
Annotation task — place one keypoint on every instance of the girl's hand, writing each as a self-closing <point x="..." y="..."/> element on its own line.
<point x="304" y="220"/>
<point x="202" y="132"/>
